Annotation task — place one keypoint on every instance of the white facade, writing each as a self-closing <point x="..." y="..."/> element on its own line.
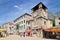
<point x="57" y="20"/>
<point x="22" y="21"/>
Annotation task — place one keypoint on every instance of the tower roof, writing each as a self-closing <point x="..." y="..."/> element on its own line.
<point x="43" y="6"/>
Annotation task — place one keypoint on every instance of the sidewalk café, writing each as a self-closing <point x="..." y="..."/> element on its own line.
<point x="2" y="32"/>
<point x="51" y="32"/>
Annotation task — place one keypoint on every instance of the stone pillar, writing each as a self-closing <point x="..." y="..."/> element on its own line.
<point x="41" y="34"/>
<point x="32" y="33"/>
<point x="25" y="34"/>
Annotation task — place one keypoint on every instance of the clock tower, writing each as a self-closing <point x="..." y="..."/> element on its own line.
<point x="39" y="10"/>
<point x="39" y="15"/>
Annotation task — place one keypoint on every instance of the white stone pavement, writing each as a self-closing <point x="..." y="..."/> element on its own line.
<point x="16" y="37"/>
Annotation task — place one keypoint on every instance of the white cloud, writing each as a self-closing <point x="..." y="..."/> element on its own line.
<point x="18" y="7"/>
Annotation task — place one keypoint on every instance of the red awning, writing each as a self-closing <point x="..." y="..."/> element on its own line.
<point x="28" y="31"/>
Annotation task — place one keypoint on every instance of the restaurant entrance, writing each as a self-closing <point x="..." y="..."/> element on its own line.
<point x="48" y="34"/>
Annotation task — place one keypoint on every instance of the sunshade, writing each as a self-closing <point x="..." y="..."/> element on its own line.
<point x="53" y="29"/>
<point x="28" y="31"/>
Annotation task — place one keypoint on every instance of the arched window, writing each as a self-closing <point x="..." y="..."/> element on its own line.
<point x="29" y="27"/>
<point x="45" y="22"/>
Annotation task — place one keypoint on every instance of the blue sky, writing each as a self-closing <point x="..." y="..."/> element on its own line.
<point x="11" y="9"/>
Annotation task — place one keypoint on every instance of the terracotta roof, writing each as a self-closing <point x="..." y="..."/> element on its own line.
<point x="11" y="23"/>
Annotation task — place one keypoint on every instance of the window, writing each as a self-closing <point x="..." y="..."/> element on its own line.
<point x="21" y="22"/>
<point x="17" y="26"/>
<point x="24" y="21"/>
<point x="34" y="32"/>
<point x="40" y="6"/>
<point x="21" y="27"/>
<point x="24" y="26"/>
<point x="59" y="23"/>
<point x="12" y="27"/>
<point x="45" y="22"/>
<point x="29" y="28"/>
<point x="28" y="23"/>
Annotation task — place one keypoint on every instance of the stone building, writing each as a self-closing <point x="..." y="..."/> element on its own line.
<point x="34" y="24"/>
<point x="30" y="25"/>
<point x="40" y="20"/>
<point x="9" y="27"/>
<point x="22" y="23"/>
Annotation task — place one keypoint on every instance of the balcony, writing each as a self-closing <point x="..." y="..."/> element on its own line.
<point x="35" y="27"/>
<point x="28" y="25"/>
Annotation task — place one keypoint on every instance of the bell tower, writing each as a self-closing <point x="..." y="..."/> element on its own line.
<point x="39" y="10"/>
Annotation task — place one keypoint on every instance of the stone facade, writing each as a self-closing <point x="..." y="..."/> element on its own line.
<point x="9" y="27"/>
<point x="40" y="20"/>
<point x="32" y="25"/>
